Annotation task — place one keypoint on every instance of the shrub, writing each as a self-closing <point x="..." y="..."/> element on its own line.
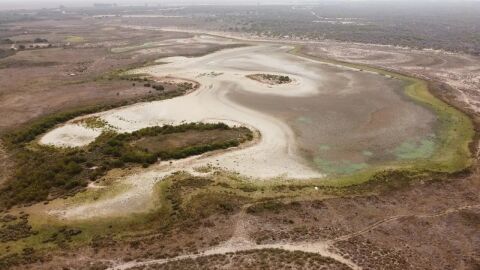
<point x="158" y="87"/>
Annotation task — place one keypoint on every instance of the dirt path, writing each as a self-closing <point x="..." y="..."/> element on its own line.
<point x="393" y="218"/>
<point x="241" y="242"/>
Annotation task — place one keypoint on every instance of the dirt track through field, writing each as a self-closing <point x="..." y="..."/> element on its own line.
<point x="241" y="242"/>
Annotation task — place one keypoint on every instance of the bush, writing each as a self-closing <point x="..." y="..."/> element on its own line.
<point x="40" y="40"/>
<point x="158" y="87"/>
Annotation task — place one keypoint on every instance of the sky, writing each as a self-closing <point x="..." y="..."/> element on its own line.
<point x="34" y="4"/>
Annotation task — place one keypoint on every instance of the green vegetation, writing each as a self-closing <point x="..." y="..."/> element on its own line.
<point x="149" y="82"/>
<point x="270" y="78"/>
<point x="340" y="167"/>
<point x="14" y="228"/>
<point x="257" y="259"/>
<point x="415" y="150"/>
<point x="74" y="39"/>
<point x="94" y="122"/>
<point x="45" y="172"/>
<point x="183" y="203"/>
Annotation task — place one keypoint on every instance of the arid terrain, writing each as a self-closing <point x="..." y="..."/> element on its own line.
<point x="131" y="144"/>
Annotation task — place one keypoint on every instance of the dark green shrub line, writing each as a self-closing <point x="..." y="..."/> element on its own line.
<point x="168" y="129"/>
<point x="197" y="150"/>
<point x="148" y="82"/>
<point x="45" y="172"/>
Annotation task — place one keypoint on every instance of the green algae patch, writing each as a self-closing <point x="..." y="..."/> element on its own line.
<point x="75" y="39"/>
<point x="454" y="134"/>
<point x="304" y="120"/>
<point x="415" y="149"/>
<point x="339" y="167"/>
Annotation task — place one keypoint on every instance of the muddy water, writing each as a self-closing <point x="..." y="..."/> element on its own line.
<point x="357" y="119"/>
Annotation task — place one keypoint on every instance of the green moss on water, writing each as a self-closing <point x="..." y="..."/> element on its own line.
<point x="304" y="120"/>
<point x="339" y="167"/>
<point x="415" y="149"/>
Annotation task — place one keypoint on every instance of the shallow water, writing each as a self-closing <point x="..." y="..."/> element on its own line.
<point x="355" y="120"/>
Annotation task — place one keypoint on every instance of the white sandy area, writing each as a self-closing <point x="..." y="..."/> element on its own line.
<point x="70" y="135"/>
<point x="171" y="43"/>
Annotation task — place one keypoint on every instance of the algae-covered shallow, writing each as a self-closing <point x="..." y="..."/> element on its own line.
<point x="447" y="150"/>
<point x="355" y="118"/>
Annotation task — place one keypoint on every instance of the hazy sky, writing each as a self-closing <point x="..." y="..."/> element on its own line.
<point x="32" y="4"/>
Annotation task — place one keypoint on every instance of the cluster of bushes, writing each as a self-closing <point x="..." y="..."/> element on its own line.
<point x="271" y="78"/>
<point x="13" y="231"/>
<point x="119" y="146"/>
<point x="6" y="53"/>
<point x="169" y="129"/>
<point x="284" y="79"/>
<point x="185" y="86"/>
<point x="158" y="87"/>
<point x="268" y="206"/>
<point x="40" y="40"/>
<point x="197" y="150"/>
<point x="6" y="41"/>
<point x="46" y="172"/>
<point x="201" y="205"/>
<point x="40" y="127"/>
<point x="146" y="81"/>
<point x="277" y="78"/>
